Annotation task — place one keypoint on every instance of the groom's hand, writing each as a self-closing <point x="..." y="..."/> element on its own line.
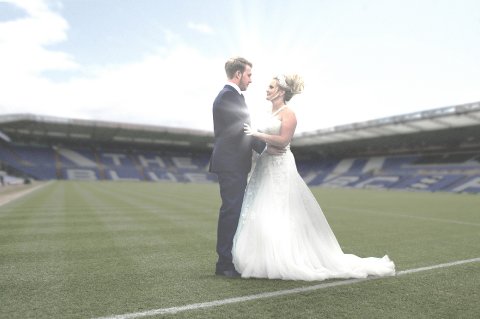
<point x="273" y="150"/>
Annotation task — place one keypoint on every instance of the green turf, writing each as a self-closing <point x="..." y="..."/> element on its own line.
<point x="85" y="250"/>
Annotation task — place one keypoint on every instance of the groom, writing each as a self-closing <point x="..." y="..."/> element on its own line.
<point x="231" y="158"/>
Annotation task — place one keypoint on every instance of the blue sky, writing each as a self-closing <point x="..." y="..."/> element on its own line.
<point x="161" y="62"/>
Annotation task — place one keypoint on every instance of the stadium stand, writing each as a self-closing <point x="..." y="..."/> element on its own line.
<point x="436" y="150"/>
<point x="74" y="163"/>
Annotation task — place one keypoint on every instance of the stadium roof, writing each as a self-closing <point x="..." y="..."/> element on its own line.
<point x="29" y="127"/>
<point x="453" y="124"/>
<point x="431" y="120"/>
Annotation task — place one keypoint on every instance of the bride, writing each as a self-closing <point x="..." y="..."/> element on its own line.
<point x="282" y="232"/>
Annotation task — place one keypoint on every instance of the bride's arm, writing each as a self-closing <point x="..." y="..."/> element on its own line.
<point x="289" y="123"/>
<point x="273" y="150"/>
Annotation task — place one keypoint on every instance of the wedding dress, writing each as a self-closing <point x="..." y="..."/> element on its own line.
<point x="283" y="233"/>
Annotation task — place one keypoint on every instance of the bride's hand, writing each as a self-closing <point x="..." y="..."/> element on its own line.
<point x="249" y="130"/>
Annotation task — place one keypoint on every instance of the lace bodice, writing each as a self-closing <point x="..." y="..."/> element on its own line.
<point x="273" y="127"/>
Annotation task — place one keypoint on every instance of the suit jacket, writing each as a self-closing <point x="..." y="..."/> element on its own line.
<point x="232" y="150"/>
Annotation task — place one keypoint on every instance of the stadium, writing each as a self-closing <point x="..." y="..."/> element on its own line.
<point x="435" y="150"/>
<point x="117" y="220"/>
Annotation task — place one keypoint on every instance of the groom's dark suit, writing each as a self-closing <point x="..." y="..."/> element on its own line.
<point x="231" y="160"/>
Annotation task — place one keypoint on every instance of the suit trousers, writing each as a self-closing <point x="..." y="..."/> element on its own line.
<point x="232" y="190"/>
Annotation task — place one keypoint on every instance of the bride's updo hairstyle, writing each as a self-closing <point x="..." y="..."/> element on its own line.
<point x="292" y="84"/>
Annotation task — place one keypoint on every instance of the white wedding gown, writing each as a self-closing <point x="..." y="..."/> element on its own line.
<point x="283" y="233"/>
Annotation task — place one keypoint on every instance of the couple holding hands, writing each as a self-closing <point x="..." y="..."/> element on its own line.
<point x="270" y="225"/>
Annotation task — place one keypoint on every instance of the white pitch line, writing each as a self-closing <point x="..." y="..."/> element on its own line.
<point x="11" y="197"/>
<point x="221" y="302"/>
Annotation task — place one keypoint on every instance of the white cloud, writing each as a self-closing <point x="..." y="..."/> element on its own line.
<point x="23" y="41"/>
<point x="168" y="87"/>
<point x="176" y="84"/>
<point x="159" y="89"/>
<point x="24" y="56"/>
<point x="201" y="27"/>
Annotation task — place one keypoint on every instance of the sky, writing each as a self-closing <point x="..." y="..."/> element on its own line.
<point x="161" y="62"/>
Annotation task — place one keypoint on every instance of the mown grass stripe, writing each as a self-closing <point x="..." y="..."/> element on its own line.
<point x="440" y="220"/>
<point x="221" y="302"/>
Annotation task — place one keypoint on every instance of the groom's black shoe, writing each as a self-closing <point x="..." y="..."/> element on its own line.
<point x="228" y="273"/>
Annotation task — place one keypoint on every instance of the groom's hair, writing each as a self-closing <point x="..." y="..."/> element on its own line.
<point x="236" y="64"/>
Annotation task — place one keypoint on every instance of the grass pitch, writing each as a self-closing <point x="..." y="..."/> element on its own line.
<point x="87" y="250"/>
